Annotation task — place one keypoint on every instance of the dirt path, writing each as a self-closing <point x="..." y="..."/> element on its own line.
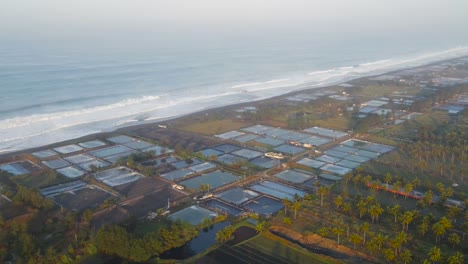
<point x="318" y="242"/>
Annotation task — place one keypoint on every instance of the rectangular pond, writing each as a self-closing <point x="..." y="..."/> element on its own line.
<point x="202" y="167"/>
<point x="158" y="150"/>
<point x="247" y="153"/>
<point x="186" y="163"/>
<point x="311" y="163"/>
<point x="265" y="162"/>
<point x="110" y="151"/>
<point x="14" y="169"/>
<point x="231" y="159"/>
<point x="138" y="144"/>
<point x="120" y="139"/>
<point x="56" y="163"/>
<point x="121" y="155"/>
<point x="237" y="195"/>
<point x="326" y="132"/>
<point x="257" y="129"/>
<point x="246" y="138"/>
<point x="65" y="187"/>
<point x="226" y="148"/>
<point x="230" y="135"/>
<point x="293" y="176"/>
<point x="80" y="158"/>
<point x="92" y="144"/>
<point x="294" y="136"/>
<point x="270" y="141"/>
<point x="336" y="169"/>
<point x="264" y="206"/>
<point x="68" y="149"/>
<point x="117" y="176"/>
<point x="71" y="172"/>
<point x="327" y="159"/>
<point x="44" y="154"/>
<point x="288" y="149"/>
<point x="276" y="132"/>
<point x="219" y="206"/>
<point x="211" y="152"/>
<point x="215" y="179"/>
<point x="193" y="215"/>
<point x="177" y="174"/>
<point x="89" y="165"/>
<point x="315" y="141"/>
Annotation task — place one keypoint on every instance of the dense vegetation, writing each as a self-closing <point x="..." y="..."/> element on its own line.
<point x="116" y="241"/>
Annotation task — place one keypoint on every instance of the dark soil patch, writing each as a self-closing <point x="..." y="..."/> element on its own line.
<point x="82" y="199"/>
<point x="110" y="216"/>
<point x="241" y="234"/>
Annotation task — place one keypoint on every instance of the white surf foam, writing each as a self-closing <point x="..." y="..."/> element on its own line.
<point x="39" y="129"/>
<point x="37" y="118"/>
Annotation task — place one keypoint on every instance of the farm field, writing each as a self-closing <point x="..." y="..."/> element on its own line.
<point x="264" y="248"/>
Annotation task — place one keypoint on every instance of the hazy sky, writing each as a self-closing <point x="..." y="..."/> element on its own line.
<point x="61" y="15"/>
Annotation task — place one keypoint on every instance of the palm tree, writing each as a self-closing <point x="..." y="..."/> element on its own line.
<point x="375" y="211"/>
<point x="394" y="210"/>
<point x="261" y="226"/>
<point x="416" y="182"/>
<point x="400" y="239"/>
<point x="454" y="212"/>
<point x="338" y="201"/>
<point x="441" y="227"/>
<point x="362" y="207"/>
<point x="225" y="234"/>
<point x="406" y="219"/>
<point x="428" y="197"/>
<point x="296" y="206"/>
<point x="439" y="230"/>
<point x="446" y="222"/>
<point x="338" y="231"/>
<point x="434" y="254"/>
<point x="408" y="189"/>
<point x="396" y="187"/>
<point x="366" y="179"/>
<point x="286" y="203"/>
<point x="372" y="247"/>
<point x="355" y="239"/>
<point x="423" y="228"/>
<point x="357" y="179"/>
<point x="379" y="240"/>
<point x="389" y="254"/>
<point x="454" y="239"/>
<point x="364" y="228"/>
<point x="347" y="177"/>
<point x="455" y="259"/>
<point x="347" y="207"/>
<point x="323" y="231"/>
<point x="406" y="256"/>
<point x="387" y="179"/>
<point x="322" y="191"/>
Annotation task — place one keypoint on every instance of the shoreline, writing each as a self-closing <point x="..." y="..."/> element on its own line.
<point x="170" y="121"/>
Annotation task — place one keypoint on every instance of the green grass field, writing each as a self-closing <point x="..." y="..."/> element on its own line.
<point x="283" y="249"/>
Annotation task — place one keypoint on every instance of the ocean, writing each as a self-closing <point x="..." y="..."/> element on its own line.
<point x="58" y="90"/>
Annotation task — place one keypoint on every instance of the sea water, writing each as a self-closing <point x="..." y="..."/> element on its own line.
<point x="57" y="90"/>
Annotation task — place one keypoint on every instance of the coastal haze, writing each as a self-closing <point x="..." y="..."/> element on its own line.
<point x="68" y="69"/>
